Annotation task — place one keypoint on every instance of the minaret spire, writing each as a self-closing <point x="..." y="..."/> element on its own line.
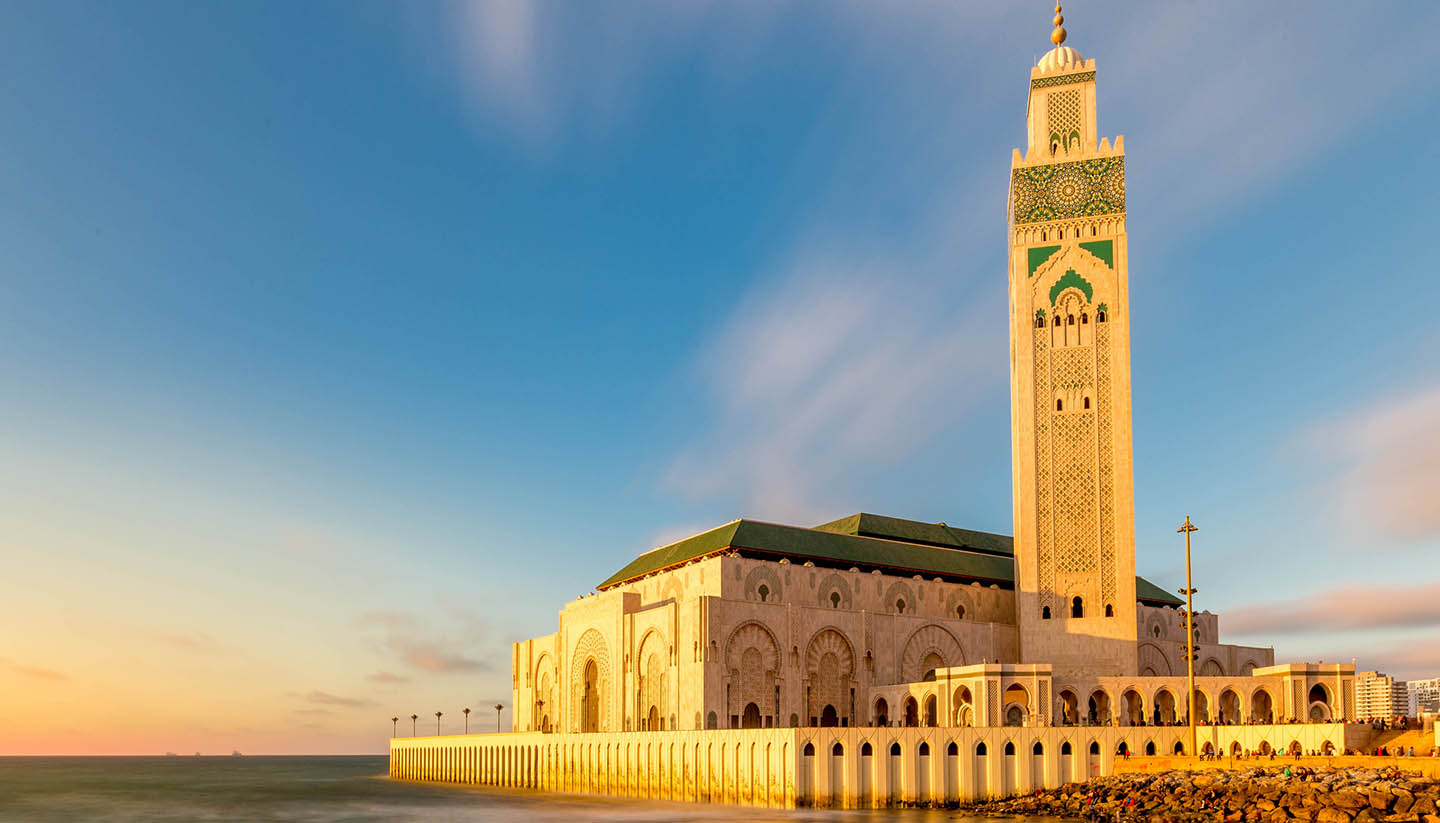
<point x="1058" y="35"/>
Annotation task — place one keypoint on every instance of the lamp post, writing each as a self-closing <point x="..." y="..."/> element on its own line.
<point x="437" y="723"/>
<point x="394" y="721"/>
<point x="1189" y="592"/>
<point x="413" y="718"/>
<point x="498" y="707"/>
<point x="466" y="712"/>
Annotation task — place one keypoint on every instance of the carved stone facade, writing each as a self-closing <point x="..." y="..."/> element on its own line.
<point x="878" y="621"/>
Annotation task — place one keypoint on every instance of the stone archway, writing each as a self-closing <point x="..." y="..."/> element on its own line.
<point x="829" y="669"/>
<point x="928" y="648"/>
<point x="752" y="660"/>
<point x="590" y="683"/>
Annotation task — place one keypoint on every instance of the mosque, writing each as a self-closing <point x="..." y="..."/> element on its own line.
<point x="875" y="633"/>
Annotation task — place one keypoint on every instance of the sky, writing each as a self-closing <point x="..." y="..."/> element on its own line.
<point x="341" y="343"/>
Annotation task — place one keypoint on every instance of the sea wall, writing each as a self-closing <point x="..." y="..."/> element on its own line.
<point x="861" y="767"/>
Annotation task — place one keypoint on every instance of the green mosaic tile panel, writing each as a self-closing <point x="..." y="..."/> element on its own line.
<point x="1062" y="80"/>
<point x="1039" y="255"/>
<point x="1068" y="279"/>
<point x="1062" y="191"/>
<point x="1103" y="249"/>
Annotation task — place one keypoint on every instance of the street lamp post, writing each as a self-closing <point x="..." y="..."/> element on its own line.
<point x="393" y="722"/>
<point x="437" y="723"/>
<point x="413" y="718"/>
<point x="498" y="707"/>
<point x="466" y="711"/>
<point x="1189" y="592"/>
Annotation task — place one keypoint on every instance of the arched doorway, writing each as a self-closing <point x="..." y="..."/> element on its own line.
<point x="1134" y="708"/>
<point x="1165" y="714"/>
<point x="829" y="717"/>
<point x="882" y="712"/>
<point x="1202" y="707"/>
<point x="1229" y="707"/>
<point x="982" y="771"/>
<point x="1069" y="708"/>
<point x="1017" y="705"/>
<point x="750" y="719"/>
<point x="1099" y="708"/>
<point x="652" y="720"/>
<point x="1067" y="765"/>
<point x="964" y="712"/>
<point x="590" y="698"/>
<point x="931" y="714"/>
<point x="1262" y="707"/>
<point x="912" y="712"/>
<point x="1319" y="704"/>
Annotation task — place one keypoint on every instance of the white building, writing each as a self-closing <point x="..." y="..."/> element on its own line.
<point x="1424" y="696"/>
<point x="1378" y="695"/>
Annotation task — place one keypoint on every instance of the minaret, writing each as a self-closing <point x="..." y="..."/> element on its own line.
<point x="1074" y="489"/>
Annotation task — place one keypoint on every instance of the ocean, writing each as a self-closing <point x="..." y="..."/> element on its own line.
<point x="326" y="790"/>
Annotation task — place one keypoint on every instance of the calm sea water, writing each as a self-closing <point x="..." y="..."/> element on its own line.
<point x="324" y="790"/>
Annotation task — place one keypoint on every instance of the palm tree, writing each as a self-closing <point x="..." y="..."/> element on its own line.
<point x="437" y="723"/>
<point x="466" y="710"/>
<point x="413" y="718"/>
<point x="498" y="707"/>
<point x="393" y="721"/>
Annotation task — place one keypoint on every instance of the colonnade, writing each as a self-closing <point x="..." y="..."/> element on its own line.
<point x="856" y="767"/>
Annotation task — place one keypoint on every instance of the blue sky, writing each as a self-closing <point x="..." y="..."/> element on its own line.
<point x="344" y="342"/>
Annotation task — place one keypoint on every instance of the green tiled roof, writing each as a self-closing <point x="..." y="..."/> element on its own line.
<point x="913" y="531"/>
<point x="1147" y="592"/>
<point x="802" y="544"/>
<point x="864" y="540"/>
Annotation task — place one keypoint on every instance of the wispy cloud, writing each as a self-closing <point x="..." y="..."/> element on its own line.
<point x="1385" y="460"/>
<point x="387" y="678"/>
<point x="403" y="634"/>
<point x="32" y="671"/>
<point x="837" y="362"/>
<point x="1342" y="609"/>
<point x="328" y="699"/>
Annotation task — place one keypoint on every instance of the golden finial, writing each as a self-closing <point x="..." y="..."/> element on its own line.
<point x="1058" y="35"/>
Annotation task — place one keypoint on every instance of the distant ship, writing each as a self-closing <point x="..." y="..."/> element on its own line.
<point x="171" y="754"/>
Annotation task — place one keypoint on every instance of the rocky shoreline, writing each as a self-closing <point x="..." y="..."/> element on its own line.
<point x="1262" y="794"/>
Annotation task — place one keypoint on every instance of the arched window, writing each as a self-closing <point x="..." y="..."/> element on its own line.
<point x="763" y="591"/>
<point x="900" y="606"/>
<point x="960" y="612"/>
<point x="1095" y="747"/>
<point x="1077" y="607"/>
<point x="809" y="750"/>
<point x="1069" y="319"/>
<point x="1109" y="610"/>
<point x="834" y="600"/>
<point x="894" y="749"/>
<point x="1045" y="613"/>
<point x="1065" y="748"/>
<point x="1009" y="748"/>
<point x="924" y="749"/>
<point x="866" y="751"/>
<point x="979" y="749"/>
<point x="1037" y="749"/>
<point x="1057" y="321"/>
<point x="1059" y="404"/>
<point x="1099" y="317"/>
<point x="1087" y="402"/>
<point x="837" y="750"/>
<point x="1084" y="318"/>
<point x="1040" y="322"/>
<point x="952" y="750"/>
